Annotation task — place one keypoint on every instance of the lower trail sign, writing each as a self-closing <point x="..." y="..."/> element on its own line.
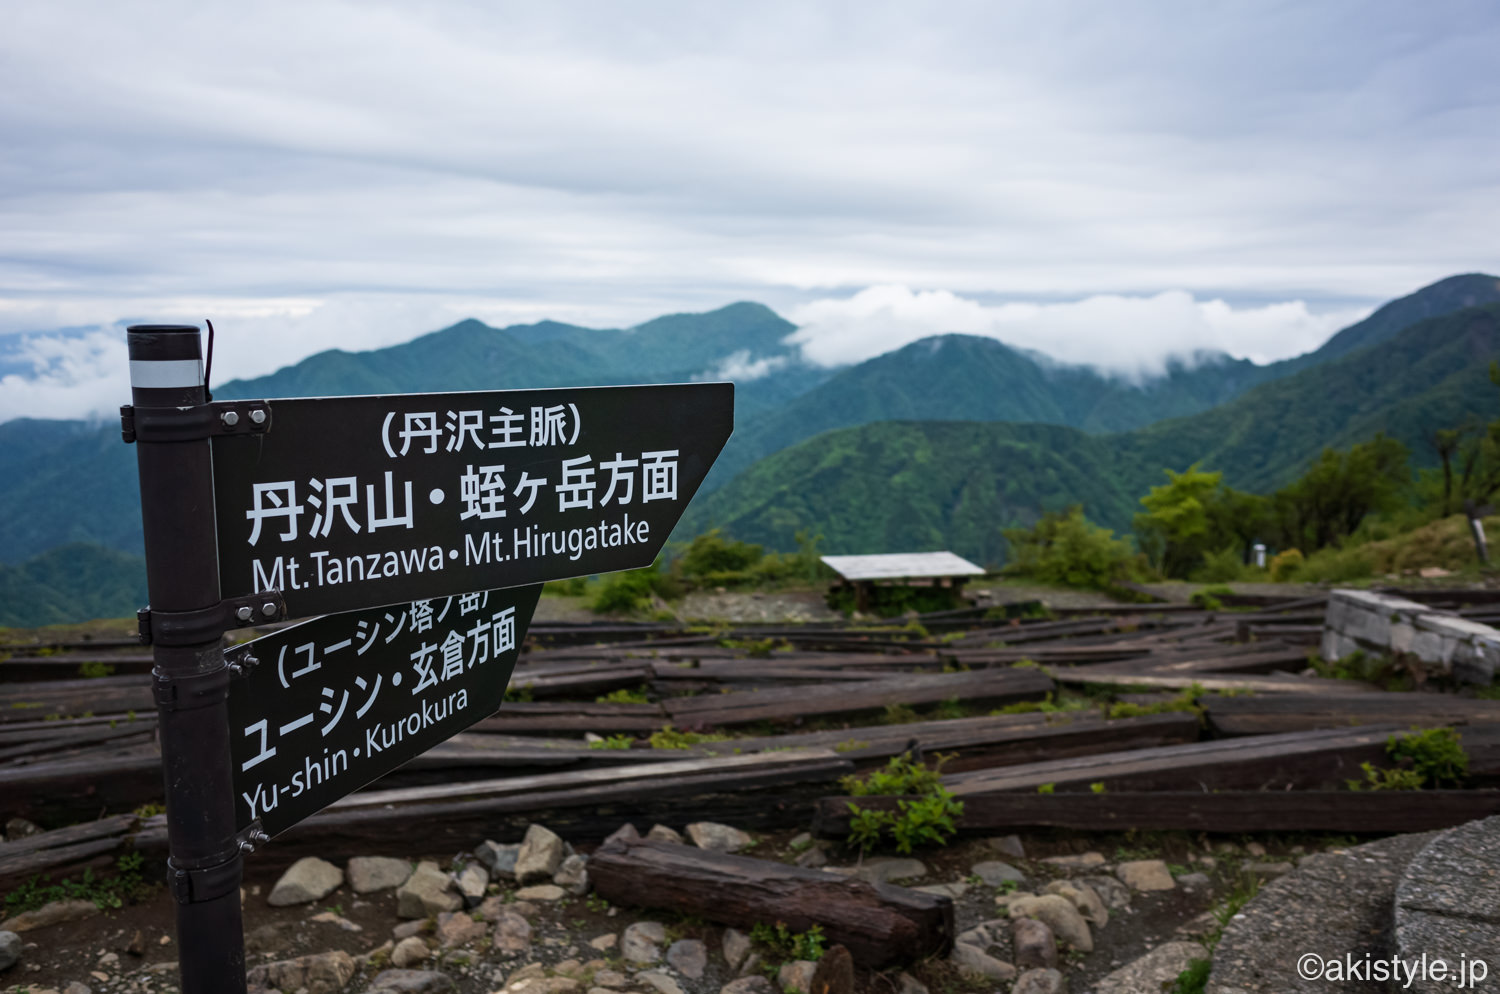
<point x="329" y="705"/>
<point x="256" y="511"/>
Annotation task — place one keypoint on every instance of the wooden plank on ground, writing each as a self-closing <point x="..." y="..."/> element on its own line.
<point x="1273" y="683"/>
<point x="1263" y="714"/>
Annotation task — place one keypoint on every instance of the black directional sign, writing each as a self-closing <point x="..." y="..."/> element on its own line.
<point x="356" y="502"/>
<point x="334" y="703"/>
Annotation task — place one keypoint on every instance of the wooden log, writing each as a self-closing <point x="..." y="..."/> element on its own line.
<point x="1303" y="760"/>
<point x="1263" y="714"/>
<point x="879" y="924"/>
<point x="1274" y="683"/>
<point x="107" y="777"/>
<point x="61" y="848"/>
<point x="1233" y="812"/>
<point x="1270" y="659"/>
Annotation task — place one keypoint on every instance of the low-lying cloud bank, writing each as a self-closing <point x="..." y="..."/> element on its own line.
<point x="1134" y="337"/>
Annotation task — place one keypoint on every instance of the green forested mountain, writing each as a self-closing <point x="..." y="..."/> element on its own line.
<point x="73" y="582"/>
<point x="912" y="486"/>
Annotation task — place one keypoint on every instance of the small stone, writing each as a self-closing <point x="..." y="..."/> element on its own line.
<point x="835" y="972"/>
<point x="1145" y="875"/>
<point x="499" y="860"/>
<point x="627" y="832"/>
<point x="662" y="982"/>
<point x="1006" y="900"/>
<point x="1267" y="870"/>
<point x="736" y="946"/>
<point x="604" y="942"/>
<point x="512" y="933"/>
<point x="975" y="960"/>
<point x="471" y="883"/>
<point x="1114" y="894"/>
<point x="540" y="855"/>
<point x="1083" y="898"/>
<point x="20" y="828"/>
<point x="1047" y="981"/>
<point x="1059" y="914"/>
<point x="719" y="838"/>
<point x="455" y="928"/>
<point x="978" y="936"/>
<point x="307" y="880"/>
<point x="77" y="987"/>
<point x="426" y="893"/>
<point x="955" y="890"/>
<point x="812" y="858"/>
<point x="10" y="949"/>
<point x="1197" y="928"/>
<point x="541" y="892"/>
<point x="910" y="985"/>
<point x="1255" y="849"/>
<point x="1195" y="883"/>
<point x="109" y="960"/>
<point x="1008" y="845"/>
<point x="796" y="977"/>
<point x="1153" y="971"/>
<point x="641" y="942"/>
<point x="573" y="875"/>
<point x="610" y="978"/>
<point x="409" y="952"/>
<point x="331" y="918"/>
<point x="688" y="957"/>
<point x="368" y="874"/>
<point x="751" y="964"/>
<point x="323" y="973"/>
<point x="408" y="929"/>
<point x="890" y="870"/>
<point x="748" y="985"/>
<point x="380" y="954"/>
<point x="1209" y="863"/>
<point x="51" y="913"/>
<point x="661" y="833"/>
<point x="1035" y="947"/>
<point x="1076" y="861"/>
<point x="410" y="982"/>
<point x="996" y="874"/>
<point x="137" y="944"/>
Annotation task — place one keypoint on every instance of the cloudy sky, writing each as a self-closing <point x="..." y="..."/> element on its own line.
<point x="1109" y="183"/>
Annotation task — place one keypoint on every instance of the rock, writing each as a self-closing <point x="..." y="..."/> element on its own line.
<point x="1008" y="845"/>
<point x="330" y="918"/>
<point x="1077" y="861"/>
<point x="688" y="957"/>
<point x="1145" y="874"/>
<point x="834" y="973"/>
<point x="10" y="950"/>
<point x="1035" y="948"/>
<point x="719" y="838"/>
<point x="641" y="942"/>
<point x="20" y="828"/>
<point x="307" y="880"/>
<point x="512" y="933"/>
<point x="1267" y="871"/>
<point x="796" y="977"/>
<point x="996" y="874"/>
<point x="408" y="929"/>
<point x="74" y="987"/>
<point x="51" y="913"/>
<point x="955" y="890"/>
<point x="748" y="985"/>
<point x="1255" y="849"/>
<point x="890" y="870"/>
<point x="470" y="883"/>
<point x="1198" y="883"/>
<point x="1198" y="927"/>
<point x="573" y="875"/>
<point x="1061" y="917"/>
<point x="736" y="947"/>
<point x="910" y="985"/>
<point x="410" y="982"/>
<point x="1042" y="982"/>
<point x="662" y="833"/>
<point x="610" y="978"/>
<point x="540" y="855"/>
<point x="323" y="973"/>
<point x="1006" y="900"/>
<point x="426" y="893"/>
<point x="499" y="860"/>
<point x="662" y="982"/>
<point x="541" y="892"/>
<point x="812" y="858"/>
<point x="1152" y="972"/>
<point x="1114" y="894"/>
<point x="604" y="942"/>
<point x="1083" y="898"/>
<point x="975" y="960"/>
<point x="368" y="874"/>
<point x="626" y="831"/>
<point x="137" y="945"/>
<point x="409" y="952"/>
<point x="454" y="928"/>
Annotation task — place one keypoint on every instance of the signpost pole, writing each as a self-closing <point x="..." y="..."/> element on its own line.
<point x="186" y="629"/>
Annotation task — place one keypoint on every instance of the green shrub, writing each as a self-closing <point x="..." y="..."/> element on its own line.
<point x="671" y="738"/>
<point x="1224" y="566"/>
<point x="612" y="742"/>
<point x="1377" y="779"/>
<point x="928" y="819"/>
<point x="1437" y="754"/>
<point x="624" y="696"/>
<point x="1065" y="547"/>
<point x="1285" y="565"/>
<point x="780" y="944"/>
<point x="1337" y="565"/>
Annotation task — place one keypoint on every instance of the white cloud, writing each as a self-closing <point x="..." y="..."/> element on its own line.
<point x="1132" y="336"/>
<point x="69" y="376"/>
<point x="738" y="366"/>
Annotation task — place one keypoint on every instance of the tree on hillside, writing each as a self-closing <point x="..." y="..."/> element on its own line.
<point x="1470" y="461"/>
<point x="1194" y="514"/>
<point x="1065" y="547"/>
<point x="1335" y="495"/>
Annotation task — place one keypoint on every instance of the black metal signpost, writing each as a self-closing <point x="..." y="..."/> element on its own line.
<point x="399" y="508"/>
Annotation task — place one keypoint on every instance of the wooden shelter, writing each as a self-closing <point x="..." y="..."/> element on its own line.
<point x="905" y="569"/>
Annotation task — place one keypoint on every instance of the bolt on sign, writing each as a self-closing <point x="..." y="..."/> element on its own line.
<point x="329" y="705"/>
<point x="358" y="502"/>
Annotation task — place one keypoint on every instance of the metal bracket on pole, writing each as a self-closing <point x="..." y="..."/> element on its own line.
<point x="187" y="424"/>
<point x="207" y="624"/>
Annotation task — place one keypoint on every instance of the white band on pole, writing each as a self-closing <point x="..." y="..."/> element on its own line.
<point x="152" y="374"/>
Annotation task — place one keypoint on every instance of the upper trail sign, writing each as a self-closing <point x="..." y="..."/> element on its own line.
<point x="357" y="502"/>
